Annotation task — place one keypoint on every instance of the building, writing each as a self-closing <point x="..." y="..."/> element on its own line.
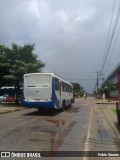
<point x="115" y="78"/>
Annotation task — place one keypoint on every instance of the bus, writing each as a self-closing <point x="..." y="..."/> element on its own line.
<point x="46" y="90"/>
<point x="5" y="92"/>
<point x="8" y="94"/>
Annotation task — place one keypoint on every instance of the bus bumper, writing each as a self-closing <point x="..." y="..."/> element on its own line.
<point x="48" y="104"/>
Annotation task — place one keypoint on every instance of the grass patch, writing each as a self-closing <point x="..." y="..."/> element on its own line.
<point x="114" y="110"/>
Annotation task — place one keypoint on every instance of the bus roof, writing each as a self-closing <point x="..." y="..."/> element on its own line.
<point x="7" y="87"/>
<point x="52" y="74"/>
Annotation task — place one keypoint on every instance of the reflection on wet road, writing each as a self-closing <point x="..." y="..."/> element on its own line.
<point x="57" y="130"/>
<point x="85" y="126"/>
<point x="30" y="130"/>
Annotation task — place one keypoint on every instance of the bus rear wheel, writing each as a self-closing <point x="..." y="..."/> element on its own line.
<point x="40" y="110"/>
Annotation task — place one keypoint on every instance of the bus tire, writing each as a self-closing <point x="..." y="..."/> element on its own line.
<point x="39" y="109"/>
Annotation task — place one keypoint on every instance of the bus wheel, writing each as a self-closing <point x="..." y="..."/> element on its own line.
<point x="39" y="109"/>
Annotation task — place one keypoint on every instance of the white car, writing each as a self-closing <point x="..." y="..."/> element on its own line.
<point x="3" y="97"/>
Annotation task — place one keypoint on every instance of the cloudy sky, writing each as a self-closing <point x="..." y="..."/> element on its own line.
<point x="72" y="37"/>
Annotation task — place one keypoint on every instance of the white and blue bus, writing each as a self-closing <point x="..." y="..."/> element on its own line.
<point x="46" y="90"/>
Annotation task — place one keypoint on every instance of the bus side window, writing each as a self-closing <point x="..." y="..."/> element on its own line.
<point x="70" y="89"/>
<point x="63" y="86"/>
<point x="56" y="84"/>
<point x="66" y="86"/>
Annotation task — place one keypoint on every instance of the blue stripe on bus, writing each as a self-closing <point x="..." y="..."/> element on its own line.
<point x="38" y="104"/>
<point x="54" y="97"/>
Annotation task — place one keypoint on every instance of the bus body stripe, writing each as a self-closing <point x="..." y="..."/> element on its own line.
<point x="38" y="104"/>
<point x="54" y="97"/>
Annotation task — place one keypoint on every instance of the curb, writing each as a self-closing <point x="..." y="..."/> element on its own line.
<point x="4" y="112"/>
<point x="10" y="111"/>
<point x="105" y="103"/>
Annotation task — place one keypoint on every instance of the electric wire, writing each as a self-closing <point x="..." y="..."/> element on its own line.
<point x="107" y="39"/>
<point x="115" y="23"/>
<point x="113" y="48"/>
<point x="110" y="27"/>
<point x="111" y="39"/>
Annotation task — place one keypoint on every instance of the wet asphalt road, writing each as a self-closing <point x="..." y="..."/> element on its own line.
<point x="83" y="127"/>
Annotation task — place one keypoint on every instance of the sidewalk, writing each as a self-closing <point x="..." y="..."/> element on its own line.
<point x="9" y="107"/>
<point x="104" y="101"/>
<point x="109" y="111"/>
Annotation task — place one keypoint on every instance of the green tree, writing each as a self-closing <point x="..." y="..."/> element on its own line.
<point x="4" y="65"/>
<point x="78" y="89"/>
<point x="108" y="86"/>
<point x="82" y="91"/>
<point x="16" y="61"/>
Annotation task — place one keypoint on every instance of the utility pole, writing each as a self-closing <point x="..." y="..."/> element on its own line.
<point x="97" y="84"/>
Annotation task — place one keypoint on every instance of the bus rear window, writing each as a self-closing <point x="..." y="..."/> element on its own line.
<point x="56" y="84"/>
<point x="37" y="80"/>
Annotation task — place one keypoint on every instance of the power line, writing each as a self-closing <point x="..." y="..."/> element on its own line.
<point x="110" y="27"/>
<point x="113" y="47"/>
<point x="111" y="39"/>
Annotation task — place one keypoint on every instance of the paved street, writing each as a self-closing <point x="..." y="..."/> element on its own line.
<point x="86" y="126"/>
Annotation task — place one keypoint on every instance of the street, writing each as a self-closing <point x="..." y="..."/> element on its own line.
<point x="85" y="126"/>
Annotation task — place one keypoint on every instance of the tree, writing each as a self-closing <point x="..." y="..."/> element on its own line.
<point x="4" y="65"/>
<point x="15" y="62"/>
<point x="108" y="86"/>
<point x="78" y="89"/>
<point x="82" y="91"/>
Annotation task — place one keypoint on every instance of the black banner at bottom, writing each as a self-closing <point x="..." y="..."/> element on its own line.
<point x="37" y="154"/>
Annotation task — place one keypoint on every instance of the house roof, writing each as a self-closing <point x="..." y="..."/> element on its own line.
<point x="114" y="72"/>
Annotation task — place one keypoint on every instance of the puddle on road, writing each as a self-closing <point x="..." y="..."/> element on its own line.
<point x="72" y="110"/>
<point x="54" y="132"/>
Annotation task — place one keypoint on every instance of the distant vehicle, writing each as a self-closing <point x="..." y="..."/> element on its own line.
<point x="8" y="94"/>
<point x="46" y="90"/>
<point x="3" y="97"/>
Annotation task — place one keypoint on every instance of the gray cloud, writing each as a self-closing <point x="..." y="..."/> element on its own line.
<point x="70" y="36"/>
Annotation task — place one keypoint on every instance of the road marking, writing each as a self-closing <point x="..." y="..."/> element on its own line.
<point x="87" y="145"/>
